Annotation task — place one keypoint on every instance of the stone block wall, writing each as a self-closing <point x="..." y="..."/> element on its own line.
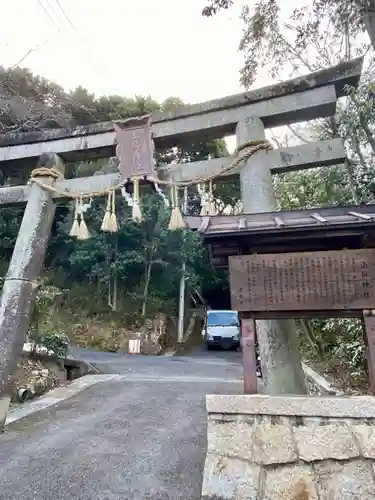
<point x="290" y="448"/>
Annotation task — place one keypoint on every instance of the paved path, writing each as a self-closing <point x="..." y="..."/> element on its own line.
<point x="140" y="436"/>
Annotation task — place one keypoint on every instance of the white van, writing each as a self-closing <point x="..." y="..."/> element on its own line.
<point x="222" y="328"/>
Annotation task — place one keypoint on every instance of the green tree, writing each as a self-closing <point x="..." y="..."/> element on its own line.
<point x="265" y="37"/>
<point x="136" y="271"/>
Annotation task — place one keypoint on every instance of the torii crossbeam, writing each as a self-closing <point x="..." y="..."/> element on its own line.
<point x="301" y="99"/>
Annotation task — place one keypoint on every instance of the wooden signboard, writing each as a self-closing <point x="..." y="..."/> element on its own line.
<point x="325" y="281"/>
<point x="135" y="147"/>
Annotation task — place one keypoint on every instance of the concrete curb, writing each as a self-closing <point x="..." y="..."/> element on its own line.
<point x="56" y="396"/>
<point x="60" y="394"/>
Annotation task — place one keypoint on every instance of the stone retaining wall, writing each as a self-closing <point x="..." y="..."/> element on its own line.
<point x="290" y="448"/>
<point x="318" y="385"/>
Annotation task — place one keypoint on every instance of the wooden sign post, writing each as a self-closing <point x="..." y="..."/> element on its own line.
<point x="301" y="285"/>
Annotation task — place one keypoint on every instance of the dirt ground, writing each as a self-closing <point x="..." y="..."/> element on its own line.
<point x="34" y="377"/>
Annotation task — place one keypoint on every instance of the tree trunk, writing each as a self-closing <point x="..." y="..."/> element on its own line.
<point x="147" y="282"/>
<point x="369" y="18"/>
<point x="352" y="187"/>
<point x="310" y="335"/>
<point x="364" y="124"/>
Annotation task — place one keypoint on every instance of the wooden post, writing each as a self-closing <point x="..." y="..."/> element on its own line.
<point x="369" y="326"/>
<point x="281" y="362"/>
<point x="20" y="285"/>
<point x="181" y="305"/>
<point x="248" y="335"/>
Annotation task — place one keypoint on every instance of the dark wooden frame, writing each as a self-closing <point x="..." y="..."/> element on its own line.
<point x="248" y="332"/>
<point x="248" y="328"/>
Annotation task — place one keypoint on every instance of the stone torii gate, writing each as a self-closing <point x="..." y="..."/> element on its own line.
<point x="246" y="115"/>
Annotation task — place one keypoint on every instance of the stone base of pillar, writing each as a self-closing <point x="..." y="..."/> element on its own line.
<point x="290" y="447"/>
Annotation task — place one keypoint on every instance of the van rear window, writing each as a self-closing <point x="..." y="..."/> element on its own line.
<point x="222" y="318"/>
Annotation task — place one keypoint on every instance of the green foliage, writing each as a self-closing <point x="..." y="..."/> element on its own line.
<point x="347" y="346"/>
<point x="214" y="6"/>
<point x="340" y="345"/>
<point x="319" y="187"/>
<point x="57" y="342"/>
<point x="10" y="220"/>
<point x="268" y="41"/>
<point x="145" y="259"/>
<point x="44" y="329"/>
<point x="142" y="262"/>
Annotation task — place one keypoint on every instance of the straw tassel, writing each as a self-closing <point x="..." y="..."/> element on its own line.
<point x="82" y="233"/>
<point x="112" y="216"/>
<point x="75" y="227"/>
<point x="207" y="200"/>
<point x="176" y="221"/>
<point x="136" y="212"/>
<point x="105" y="224"/>
<point x="79" y="229"/>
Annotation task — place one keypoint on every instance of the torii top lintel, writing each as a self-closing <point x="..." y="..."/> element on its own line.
<point x="303" y="98"/>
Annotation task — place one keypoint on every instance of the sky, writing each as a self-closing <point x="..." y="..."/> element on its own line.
<point x="161" y="48"/>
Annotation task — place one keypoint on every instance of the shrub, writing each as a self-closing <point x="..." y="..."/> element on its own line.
<point x="57" y="342"/>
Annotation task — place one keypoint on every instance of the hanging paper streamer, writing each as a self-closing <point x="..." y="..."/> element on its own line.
<point x="83" y="233"/>
<point x="127" y="196"/>
<point x="185" y="204"/>
<point x="160" y="193"/>
<point x="204" y="199"/>
<point x="211" y="200"/>
<point x="208" y="205"/>
<point x="136" y="213"/>
<point x="86" y="206"/>
<point x="176" y="221"/>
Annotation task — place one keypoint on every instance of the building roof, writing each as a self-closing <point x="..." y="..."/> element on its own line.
<point x="320" y="229"/>
<point x="271" y="222"/>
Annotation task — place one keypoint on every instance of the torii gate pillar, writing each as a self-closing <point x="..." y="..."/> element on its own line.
<point x="281" y="362"/>
<point x="21" y="281"/>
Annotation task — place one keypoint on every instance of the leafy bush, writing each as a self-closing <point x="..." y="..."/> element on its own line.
<point x="43" y="331"/>
<point x="336" y="346"/>
<point x="58" y="342"/>
<point x="349" y="348"/>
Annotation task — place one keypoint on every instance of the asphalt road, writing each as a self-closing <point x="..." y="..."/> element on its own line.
<point x="142" y="437"/>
